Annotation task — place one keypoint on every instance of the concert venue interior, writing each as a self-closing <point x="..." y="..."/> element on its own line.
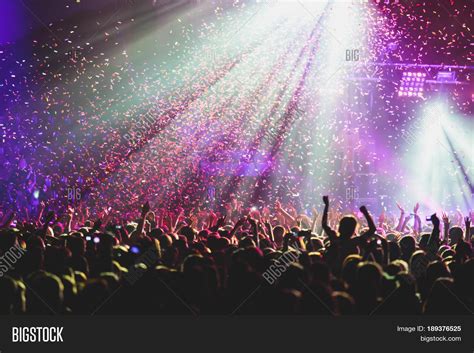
<point x="249" y="109"/>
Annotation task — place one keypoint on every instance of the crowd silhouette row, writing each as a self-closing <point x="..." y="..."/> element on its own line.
<point x="241" y="261"/>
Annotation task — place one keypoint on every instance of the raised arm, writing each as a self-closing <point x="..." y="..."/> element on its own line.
<point x="327" y="229"/>
<point x="370" y="222"/>
<point x="467" y="222"/>
<point x="69" y="216"/>
<point x="49" y="218"/>
<point x="236" y="227"/>
<point x="254" y="226"/>
<point x="315" y="221"/>
<point x="219" y="224"/>
<point x="382" y="219"/>
<point x="40" y="213"/>
<point x="401" y="219"/>
<point x="405" y="222"/>
<point x="417" y="224"/>
<point x="446" y="226"/>
<point x="141" y="223"/>
<point x="285" y="214"/>
<point x="434" y="237"/>
<point x="269" y="228"/>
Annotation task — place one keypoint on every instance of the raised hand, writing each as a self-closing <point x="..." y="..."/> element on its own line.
<point x="402" y="210"/>
<point x="435" y="233"/>
<point x="288" y="217"/>
<point x="221" y="221"/>
<point x="40" y="212"/>
<point x="445" y="218"/>
<point x="269" y="229"/>
<point x="237" y="225"/>
<point x="435" y="220"/>
<point x="370" y="223"/>
<point x="382" y="217"/>
<point x="415" y="209"/>
<point x="326" y="200"/>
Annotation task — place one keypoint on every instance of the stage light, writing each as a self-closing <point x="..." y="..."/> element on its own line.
<point x="446" y="76"/>
<point x="411" y="84"/>
<point x="438" y="158"/>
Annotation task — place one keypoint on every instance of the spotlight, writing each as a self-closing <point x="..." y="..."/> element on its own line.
<point x="411" y="84"/>
<point x="446" y="76"/>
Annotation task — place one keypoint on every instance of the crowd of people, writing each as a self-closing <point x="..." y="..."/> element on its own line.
<point x="222" y="140"/>
<point x="273" y="260"/>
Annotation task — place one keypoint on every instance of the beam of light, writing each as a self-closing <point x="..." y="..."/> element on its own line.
<point x="439" y="160"/>
<point x="326" y="93"/>
<point x="246" y="66"/>
<point x="262" y="84"/>
<point x="282" y="68"/>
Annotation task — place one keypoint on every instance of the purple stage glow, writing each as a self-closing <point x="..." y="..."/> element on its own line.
<point x="14" y="24"/>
